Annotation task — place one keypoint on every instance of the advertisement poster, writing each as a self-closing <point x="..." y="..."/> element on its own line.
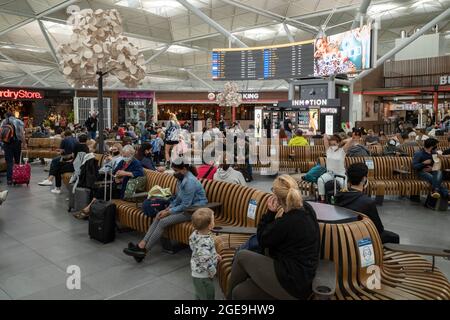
<point x="329" y="125"/>
<point x="258" y="123"/>
<point x="303" y="120"/>
<point x="314" y="120"/>
<point x="342" y="53"/>
<point x="136" y="111"/>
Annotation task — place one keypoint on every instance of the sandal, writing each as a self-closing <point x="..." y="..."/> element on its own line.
<point x="81" y="215"/>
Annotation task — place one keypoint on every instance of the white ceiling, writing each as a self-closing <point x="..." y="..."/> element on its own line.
<point x="156" y="24"/>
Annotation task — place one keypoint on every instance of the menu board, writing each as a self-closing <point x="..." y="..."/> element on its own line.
<point x="292" y="60"/>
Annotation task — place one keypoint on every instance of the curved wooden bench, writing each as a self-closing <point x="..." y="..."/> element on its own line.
<point x="42" y="148"/>
<point x="403" y="276"/>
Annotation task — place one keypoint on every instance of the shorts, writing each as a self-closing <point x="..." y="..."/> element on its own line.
<point x="172" y="143"/>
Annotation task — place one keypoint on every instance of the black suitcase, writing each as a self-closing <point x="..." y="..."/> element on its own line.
<point x="332" y="187"/>
<point x="102" y="218"/>
<point x="79" y="199"/>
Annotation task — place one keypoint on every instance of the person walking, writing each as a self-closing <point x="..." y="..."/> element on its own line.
<point x="13" y="138"/>
<point x="91" y="125"/>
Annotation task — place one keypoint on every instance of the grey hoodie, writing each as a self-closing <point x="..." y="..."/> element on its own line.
<point x="230" y="175"/>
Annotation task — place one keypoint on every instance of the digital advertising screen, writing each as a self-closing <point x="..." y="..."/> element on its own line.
<point x="343" y="53"/>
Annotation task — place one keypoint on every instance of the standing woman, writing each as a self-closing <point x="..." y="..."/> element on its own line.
<point x="335" y="161"/>
<point x="172" y="136"/>
<point x="189" y="193"/>
<point x="292" y="238"/>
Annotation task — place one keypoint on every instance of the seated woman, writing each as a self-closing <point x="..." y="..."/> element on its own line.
<point x="189" y="193"/>
<point x="144" y="155"/>
<point x="113" y="159"/>
<point x="126" y="170"/>
<point x="293" y="239"/>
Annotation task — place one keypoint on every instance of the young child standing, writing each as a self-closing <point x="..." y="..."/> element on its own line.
<point x="204" y="256"/>
<point x="157" y="143"/>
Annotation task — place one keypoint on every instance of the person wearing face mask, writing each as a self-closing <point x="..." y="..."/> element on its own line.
<point x="335" y="161"/>
<point x="127" y="168"/>
<point x="113" y="159"/>
<point x="144" y="155"/>
<point x="424" y="163"/>
<point x="355" y="199"/>
<point x="289" y="231"/>
<point x="189" y="192"/>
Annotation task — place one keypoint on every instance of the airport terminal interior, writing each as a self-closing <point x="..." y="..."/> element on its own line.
<point x="224" y="150"/>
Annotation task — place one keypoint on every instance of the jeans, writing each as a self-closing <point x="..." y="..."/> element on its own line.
<point x="12" y="155"/>
<point x="92" y="134"/>
<point x="58" y="169"/>
<point x="435" y="179"/>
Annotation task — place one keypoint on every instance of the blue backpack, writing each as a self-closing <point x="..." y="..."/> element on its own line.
<point x="314" y="173"/>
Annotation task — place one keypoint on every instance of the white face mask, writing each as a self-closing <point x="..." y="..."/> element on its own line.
<point x="334" y="148"/>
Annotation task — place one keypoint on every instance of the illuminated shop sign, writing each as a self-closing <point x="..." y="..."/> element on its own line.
<point x="443" y="80"/>
<point x="329" y="110"/>
<point x="306" y="103"/>
<point x="250" y="96"/>
<point x="20" y="94"/>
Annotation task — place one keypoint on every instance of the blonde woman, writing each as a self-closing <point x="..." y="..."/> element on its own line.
<point x="172" y="136"/>
<point x="290" y="232"/>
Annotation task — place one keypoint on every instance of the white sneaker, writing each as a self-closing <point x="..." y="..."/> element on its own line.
<point x="46" y="182"/>
<point x="57" y="191"/>
<point x="3" y="196"/>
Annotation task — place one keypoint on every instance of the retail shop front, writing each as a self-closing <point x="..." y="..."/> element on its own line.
<point x="135" y="107"/>
<point x="50" y="107"/>
<point x="416" y="91"/>
<point x="201" y="106"/>
<point x="316" y="115"/>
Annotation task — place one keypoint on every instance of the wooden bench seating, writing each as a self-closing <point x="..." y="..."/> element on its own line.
<point x="46" y="148"/>
<point x="389" y="176"/>
<point x="233" y="212"/>
<point x="403" y="276"/>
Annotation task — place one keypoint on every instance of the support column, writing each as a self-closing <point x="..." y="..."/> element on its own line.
<point x="100" y="111"/>
<point x="436" y="106"/>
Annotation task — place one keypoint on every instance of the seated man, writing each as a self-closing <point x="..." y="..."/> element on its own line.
<point x="371" y="138"/>
<point x="298" y="140"/>
<point x="409" y="141"/>
<point x="424" y="163"/>
<point x="355" y="199"/>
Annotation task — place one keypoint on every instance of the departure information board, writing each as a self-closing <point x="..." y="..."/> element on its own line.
<point x="286" y="61"/>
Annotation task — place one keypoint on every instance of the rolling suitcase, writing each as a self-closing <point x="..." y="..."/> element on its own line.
<point x="21" y="173"/>
<point x="102" y="218"/>
<point x="332" y="187"/>
<point x="79" y="199"/>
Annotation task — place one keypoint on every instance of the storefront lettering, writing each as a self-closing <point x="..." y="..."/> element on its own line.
<point x="444" y="80"/>
<point x="309" y="102"/>
<point x="250" y="96"/>
<point x="20" y="94"/>
<point x="329" y="110"/>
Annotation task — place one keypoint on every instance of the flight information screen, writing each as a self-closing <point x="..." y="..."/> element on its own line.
<point x="286" y="61"/>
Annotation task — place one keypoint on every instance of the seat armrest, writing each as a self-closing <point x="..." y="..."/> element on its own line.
<point x="324" y="283"/>
<point x="139" y="195"/>
<point x="210" y="205"/>
<point x="426" y="251"/>
<point x="234" y="230"/>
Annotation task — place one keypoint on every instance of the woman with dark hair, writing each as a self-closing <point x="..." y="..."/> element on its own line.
<point x="189" y="193"/>
<point x="144" y="155"/>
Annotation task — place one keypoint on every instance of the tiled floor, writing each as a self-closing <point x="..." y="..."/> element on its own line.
<point x="39" y="239"/>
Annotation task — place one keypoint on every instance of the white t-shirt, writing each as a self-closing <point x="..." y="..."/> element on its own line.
<point x="336" y="161"/>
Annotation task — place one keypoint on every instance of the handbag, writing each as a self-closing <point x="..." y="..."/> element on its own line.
<point x="172" y="133"/>
<point x="134" y="185"/>
<point x="159" y="192"/>
<point x="314" y="173"/>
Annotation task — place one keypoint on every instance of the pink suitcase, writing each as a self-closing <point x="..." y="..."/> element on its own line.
<point x="21" y="174"/>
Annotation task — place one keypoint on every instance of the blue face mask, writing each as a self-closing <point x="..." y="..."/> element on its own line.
<point x="127" y="159"/>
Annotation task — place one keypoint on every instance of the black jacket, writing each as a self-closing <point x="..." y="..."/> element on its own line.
<point x="294" y="244"/>
<point x="357" y="201"/>
<point x="88" y="174"/>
